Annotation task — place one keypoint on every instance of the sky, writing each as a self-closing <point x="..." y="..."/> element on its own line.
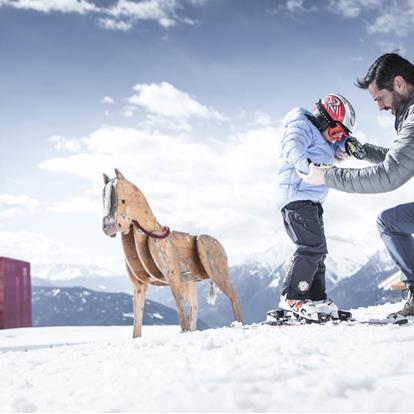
<point x="186" y="98"/>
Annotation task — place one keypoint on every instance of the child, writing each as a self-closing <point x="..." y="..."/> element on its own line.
<point x="317" y="137"/>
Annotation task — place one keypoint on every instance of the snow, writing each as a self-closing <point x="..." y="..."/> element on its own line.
<point x="261" y="369"/>
<point x="67" y="271"/>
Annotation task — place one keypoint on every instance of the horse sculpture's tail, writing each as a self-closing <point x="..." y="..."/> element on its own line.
<point x="212" y="293"/>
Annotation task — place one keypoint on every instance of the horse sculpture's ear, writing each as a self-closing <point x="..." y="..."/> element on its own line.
<point x="106" y="178"/>
<point x="119" y="174"/>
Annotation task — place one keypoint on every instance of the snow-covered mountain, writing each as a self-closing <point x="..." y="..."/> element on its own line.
<point x="258" y="282"/>
<point x="67" y="271"/>
<point x="79" y="306"/>
<point x="362" y="289"/>
<point x="354" y="270"/>
<point x="69" y="275"/>
<point x="344" y="259"/>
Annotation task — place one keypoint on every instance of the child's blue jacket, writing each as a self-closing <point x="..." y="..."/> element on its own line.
<point x="301" y="140"/>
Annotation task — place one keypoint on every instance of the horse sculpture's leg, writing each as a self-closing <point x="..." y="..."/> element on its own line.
<point x="140" y="290"/>
<point x="214" y="260"/>
<point x="190" y="294"/>
<point x="162" y="251"/>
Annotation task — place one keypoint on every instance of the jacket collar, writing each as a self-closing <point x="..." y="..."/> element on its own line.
<point x="402" y="111"/>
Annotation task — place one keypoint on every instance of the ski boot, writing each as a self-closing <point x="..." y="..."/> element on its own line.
<point x="302" y="309"/>
<point x="408" y="310"/>
<point x="327" y="307"/>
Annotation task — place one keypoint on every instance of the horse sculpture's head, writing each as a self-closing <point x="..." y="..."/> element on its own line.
<point x="116" y="193"/>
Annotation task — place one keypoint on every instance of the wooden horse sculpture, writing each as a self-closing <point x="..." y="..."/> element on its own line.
<point x="154" y="255"/>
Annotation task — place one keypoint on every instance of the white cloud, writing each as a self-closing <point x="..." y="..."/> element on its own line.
<point x="162" y="11"/>
<point x="66" y="144"/>
<point x="14" y="206"/>
<point x="294" y="7"/>
<point x="156" y="122"/>
<point x="388" y="16"/>
<point x="48" y="6"/>
<point x="40" y="249"/>
<point x="120" y="15"/>
<point x="387" y="46"/>
<point x="354" y="215"/>
<point x="346" y="8"/>
<point x="107" y="100"/>
<point x="112" y="24"/>
<point x="393" y="22"/>
<point x="77" y="205"/>
<point x="385" y="120"/>
<point x="263" y="118"/>
<point x="26" y="245"/>
<point x="380" y="17"/>
<point x="128" y="112"/>
<point x="224" y="188"/>
<point x="166" y="100"/>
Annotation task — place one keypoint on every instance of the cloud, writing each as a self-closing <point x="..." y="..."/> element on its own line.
<point x="161" y="11"/>
<point x="387" y="45"/>
<point x="48" y="6"/>
<point x="77" y="205"/>
<point x="385" y="121"/>
<point x="107" y="100"/>
<point x="166" y="100"/>
<point x="221" y="187"/>
<point x="379" y="17"/>
<point x="40" y="249"/>
<point x="14" y="206"/>
<point x="347" y="8"/>
<point x="66" y="144"/>
<point x="385" y="16"/>
<point x="27" y="245"/>
<point x="120" y="15"/>
<point x="392" y="22"/>
<point x="294" y="7"/>
<point x="112" y="24"/>
<point x="128" y="111"/>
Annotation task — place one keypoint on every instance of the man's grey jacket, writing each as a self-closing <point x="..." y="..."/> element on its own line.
<point x="394" y="165"/>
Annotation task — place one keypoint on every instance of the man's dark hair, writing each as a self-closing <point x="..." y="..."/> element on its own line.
<point x="385" y="69"/>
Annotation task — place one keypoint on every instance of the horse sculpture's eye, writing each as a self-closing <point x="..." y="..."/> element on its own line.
<point x="123" y="201"/>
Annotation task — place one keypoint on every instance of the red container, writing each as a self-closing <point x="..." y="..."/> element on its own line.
<point x="15" y="294"/>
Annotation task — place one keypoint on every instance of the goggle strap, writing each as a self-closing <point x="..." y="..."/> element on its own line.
<point x="331" y="123"/>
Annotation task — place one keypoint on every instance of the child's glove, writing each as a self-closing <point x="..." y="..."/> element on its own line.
<point x="321" y="164"/>
<point x="355" y="148"/>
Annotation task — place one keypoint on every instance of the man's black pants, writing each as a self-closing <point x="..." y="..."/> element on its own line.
<point x="305" y="278"/>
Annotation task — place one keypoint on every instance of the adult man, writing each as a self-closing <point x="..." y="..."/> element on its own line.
<point x="390" y="82"/>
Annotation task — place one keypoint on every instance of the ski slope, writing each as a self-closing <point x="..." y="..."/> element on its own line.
<point x="264" y="369"/>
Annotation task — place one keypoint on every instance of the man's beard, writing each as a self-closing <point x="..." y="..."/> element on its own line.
<point x="396" y="101"/>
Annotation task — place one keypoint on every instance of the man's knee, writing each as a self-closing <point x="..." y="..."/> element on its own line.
<point x="387" y="221"/>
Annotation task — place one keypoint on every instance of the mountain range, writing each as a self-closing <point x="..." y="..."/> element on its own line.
<point x="354" y="272"/>
<point x="57" y="306"/>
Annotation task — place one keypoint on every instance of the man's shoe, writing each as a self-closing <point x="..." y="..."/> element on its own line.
<point x="408" y="309"/>
<point x="327" y="307"/>
<point x="303" y="308"/>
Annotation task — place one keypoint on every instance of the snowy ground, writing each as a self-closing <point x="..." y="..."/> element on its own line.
<point x="263" y="369"/>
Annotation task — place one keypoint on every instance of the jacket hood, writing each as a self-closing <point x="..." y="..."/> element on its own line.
<point x="296" y="114"/>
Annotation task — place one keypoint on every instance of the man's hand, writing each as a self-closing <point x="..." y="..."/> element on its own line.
<point x="341" y="156"/>
<point x="316" y="175"/>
